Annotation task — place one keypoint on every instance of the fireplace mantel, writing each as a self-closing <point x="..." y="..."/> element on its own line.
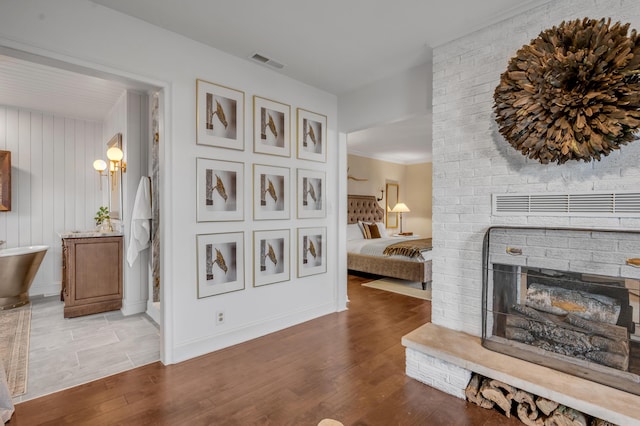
<point x="465" y="351"/>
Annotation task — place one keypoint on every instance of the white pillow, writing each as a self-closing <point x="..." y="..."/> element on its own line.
<point x="354" y="232"/>
<point x="382" y="230"/>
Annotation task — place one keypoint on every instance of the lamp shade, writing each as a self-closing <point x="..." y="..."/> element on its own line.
<point x="400" y="208"/>
<point x="115" y="154"/>
<point x="99" y="165"/>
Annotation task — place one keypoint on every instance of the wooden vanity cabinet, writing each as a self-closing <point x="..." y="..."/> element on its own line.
<point x="91" y="275"/>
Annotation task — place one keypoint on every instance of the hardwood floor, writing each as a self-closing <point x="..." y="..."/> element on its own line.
<point x="347" y="366"/>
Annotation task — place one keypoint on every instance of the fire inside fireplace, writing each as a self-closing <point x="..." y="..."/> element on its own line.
<point x="568" y="299"/>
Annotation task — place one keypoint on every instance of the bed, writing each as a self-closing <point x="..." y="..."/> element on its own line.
<point x="365" y="208"/>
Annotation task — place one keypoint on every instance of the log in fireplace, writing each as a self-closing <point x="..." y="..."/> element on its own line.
<point x="568" y="299"/>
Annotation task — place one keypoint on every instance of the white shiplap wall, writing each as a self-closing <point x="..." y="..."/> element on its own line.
<point x="53" y="185"/>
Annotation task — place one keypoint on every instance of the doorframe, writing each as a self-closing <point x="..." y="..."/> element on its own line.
<point x="56" y="60"/>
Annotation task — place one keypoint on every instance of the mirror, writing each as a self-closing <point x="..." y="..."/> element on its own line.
<point x="392" y="199"/>
<point x="5" y="181"/>
<point x="115" y="181"/>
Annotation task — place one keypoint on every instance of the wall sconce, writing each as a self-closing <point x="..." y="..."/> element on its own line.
<point x="100" y="166"/>
<point x="115" y="154"/>
<point x="381" y="195"/>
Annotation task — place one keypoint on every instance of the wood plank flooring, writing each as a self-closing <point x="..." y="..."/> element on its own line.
<point x="348" y="366"/>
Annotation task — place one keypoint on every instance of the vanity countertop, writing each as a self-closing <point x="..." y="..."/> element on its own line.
<point x="89" y="234"/>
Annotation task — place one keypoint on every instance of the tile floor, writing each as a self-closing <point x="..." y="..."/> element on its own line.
<point x="67" y="352"/>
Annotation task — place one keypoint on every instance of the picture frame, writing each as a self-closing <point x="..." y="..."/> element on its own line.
<point x="219" y="115"/>
<point x="220" y="263"/>
<point x="220" y="190"/>
<point x="271" y="192"/>
<point x="312" y="251"/>
<point x="311" y="194"/>
<point x="271" y="127"/>
<point x="311" y="135"/>
<point x="5" y="181"/>
<point x="271" y="254"/>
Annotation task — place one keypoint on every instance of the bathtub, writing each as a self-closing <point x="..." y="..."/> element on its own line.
<point x="18" y="267"/>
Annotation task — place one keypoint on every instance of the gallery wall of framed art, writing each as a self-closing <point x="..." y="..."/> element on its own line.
<point x="257" y="199"/>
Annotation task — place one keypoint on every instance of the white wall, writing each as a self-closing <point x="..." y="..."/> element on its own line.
<point x="54" y="186"/>
<point x="414" y="184"/>
<point x="404" y="95"/>
<point x="129" y="116"/>
<point x="471" y="160"/>
<point x="82" y="32"/>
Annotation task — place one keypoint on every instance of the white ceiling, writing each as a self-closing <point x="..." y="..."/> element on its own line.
<point x="404" y="142"/>
<point x="31" y="85"/>
<point x="335" y="45"/>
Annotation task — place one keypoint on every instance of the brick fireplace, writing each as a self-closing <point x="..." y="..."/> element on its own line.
<point x="568" y="299"/>
<point x="472" y="163"/>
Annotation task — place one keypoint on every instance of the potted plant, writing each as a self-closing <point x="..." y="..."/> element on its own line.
<point x="103" y="219"/>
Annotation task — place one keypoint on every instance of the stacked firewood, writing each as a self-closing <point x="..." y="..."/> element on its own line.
<point x="532" y="410"/>
<point x="573" y="93"/>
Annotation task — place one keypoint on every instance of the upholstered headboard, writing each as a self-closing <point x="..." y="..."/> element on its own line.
<point x="364" y="208"/>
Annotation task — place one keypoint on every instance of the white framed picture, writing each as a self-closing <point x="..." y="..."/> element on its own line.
<point x="220" y="190"/>
<point x="219" y="115"/>
<point x="271" y="257"/>
<point x="220" y="263"/>
<point x="271" y="189"/>
<point x="271" y="127"/>
<point x="312" y="251"/>
<point x="311" y="135"/>
<point x="311" y="194"/>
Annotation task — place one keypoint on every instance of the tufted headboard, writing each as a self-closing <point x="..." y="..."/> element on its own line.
<point x="363" y="208"/>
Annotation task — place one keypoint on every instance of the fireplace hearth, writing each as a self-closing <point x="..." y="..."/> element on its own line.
<point x="568" y="299"/>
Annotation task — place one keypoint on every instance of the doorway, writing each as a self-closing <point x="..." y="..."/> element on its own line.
<point x="70" y="170"/>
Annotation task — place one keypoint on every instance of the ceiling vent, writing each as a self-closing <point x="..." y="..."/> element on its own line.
<point x="267" y="61"/>
<point x="613" y="204"/>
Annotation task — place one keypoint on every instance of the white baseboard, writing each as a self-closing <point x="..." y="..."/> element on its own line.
<point x="46" y="289"/>
<point x="131" y="308"/>
<point x="250" y="331"/>
<point x="153" y="311"/>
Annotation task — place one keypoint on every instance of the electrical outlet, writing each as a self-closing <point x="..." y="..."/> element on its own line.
<point x="219" y="317"/>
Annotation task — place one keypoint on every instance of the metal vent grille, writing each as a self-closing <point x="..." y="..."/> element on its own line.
<point x="266" y="61"/>
<point x="590" y="204"/>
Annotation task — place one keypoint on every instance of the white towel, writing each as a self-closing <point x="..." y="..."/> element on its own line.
<point x="140" y="221"/>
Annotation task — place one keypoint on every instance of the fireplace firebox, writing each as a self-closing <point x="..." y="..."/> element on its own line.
<point x="568" y="299"/>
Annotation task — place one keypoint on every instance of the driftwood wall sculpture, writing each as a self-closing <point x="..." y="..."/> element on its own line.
<point x="573" y="93"/>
